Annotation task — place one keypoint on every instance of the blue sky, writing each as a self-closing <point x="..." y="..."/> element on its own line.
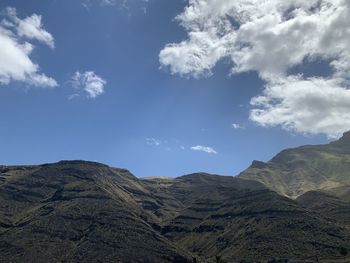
<point x="147" y="111"/>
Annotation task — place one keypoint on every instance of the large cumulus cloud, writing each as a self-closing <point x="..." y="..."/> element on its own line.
<point x="271" y="37"/>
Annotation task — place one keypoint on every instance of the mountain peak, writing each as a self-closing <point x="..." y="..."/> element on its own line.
<point x="258" y="164"/>
<point x="346" y="136"/>
<point x="344" y="140"/>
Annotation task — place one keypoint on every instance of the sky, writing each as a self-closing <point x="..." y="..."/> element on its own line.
<point x="167" y="88"/>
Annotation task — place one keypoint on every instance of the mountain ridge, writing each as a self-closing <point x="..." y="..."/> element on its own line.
<point x="295" y="171"/>
<point x="67" y="207"/>
<point x="294" y="208"/>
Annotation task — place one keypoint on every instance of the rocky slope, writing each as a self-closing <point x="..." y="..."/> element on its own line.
<point x="328" y="205"/>
<point x="76" y="211"/>
<point x="243" y="221"/>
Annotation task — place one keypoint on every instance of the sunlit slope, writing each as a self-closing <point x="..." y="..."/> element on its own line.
<point x="296" y="171"/>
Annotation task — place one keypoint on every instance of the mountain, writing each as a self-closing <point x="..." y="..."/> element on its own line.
<point x="294" y="172"/>
<point x="242" y="221"/>
<point x="78" y="211"/>
<point x="327" y="205"/>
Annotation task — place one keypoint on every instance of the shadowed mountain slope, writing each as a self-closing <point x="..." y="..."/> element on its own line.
<point x="327" y="205"/>
<point x="238" y="220"/>
<point x="77" y="211"/>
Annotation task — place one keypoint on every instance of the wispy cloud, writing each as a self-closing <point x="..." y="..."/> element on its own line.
<point x="88" y="82"/>
<point x="271" y="37"/>
<point x="31" y="27"/>
<point x="124" y="5"/>
<point x="205" y="149"/>
<point x="15" y="50"/>
<point x="90" y="3"/>
<point x="237" y="126"/>
<point x="153" y="142"/>
<point x="108" y="2"/>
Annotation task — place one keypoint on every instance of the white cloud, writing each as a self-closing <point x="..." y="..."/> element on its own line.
<point x="15" y="61"/>
<point x="153" y="141"/>
<point x="87" y="4"/>
<point x="73" y="96"/>
<point x="30" y="27"/>
<point x="237" y="126"/>
<point x="271" y="37"/>
<point x="108" y="2"/>
<point x="92" y="84"/>
<point x="205" y="149"/>
<point x="196" y="56"/>
<point x="314" y="105"/>
<point x="124" y="5"/>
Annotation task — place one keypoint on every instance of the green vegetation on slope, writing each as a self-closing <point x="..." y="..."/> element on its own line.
<point x="242" y="220"/>
<point x="294" y="172"/>
<point x="294" y="208"/>
<point x="76" y="212"/>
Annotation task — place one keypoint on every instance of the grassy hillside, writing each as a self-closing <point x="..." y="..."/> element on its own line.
<point x="327" y="205"/>
<point x="241" y="220"/>
<point x="294" y="172"/>
<point x="76" y="211"/>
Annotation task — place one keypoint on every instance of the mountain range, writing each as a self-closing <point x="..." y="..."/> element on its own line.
<point x="293" y="208"/>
